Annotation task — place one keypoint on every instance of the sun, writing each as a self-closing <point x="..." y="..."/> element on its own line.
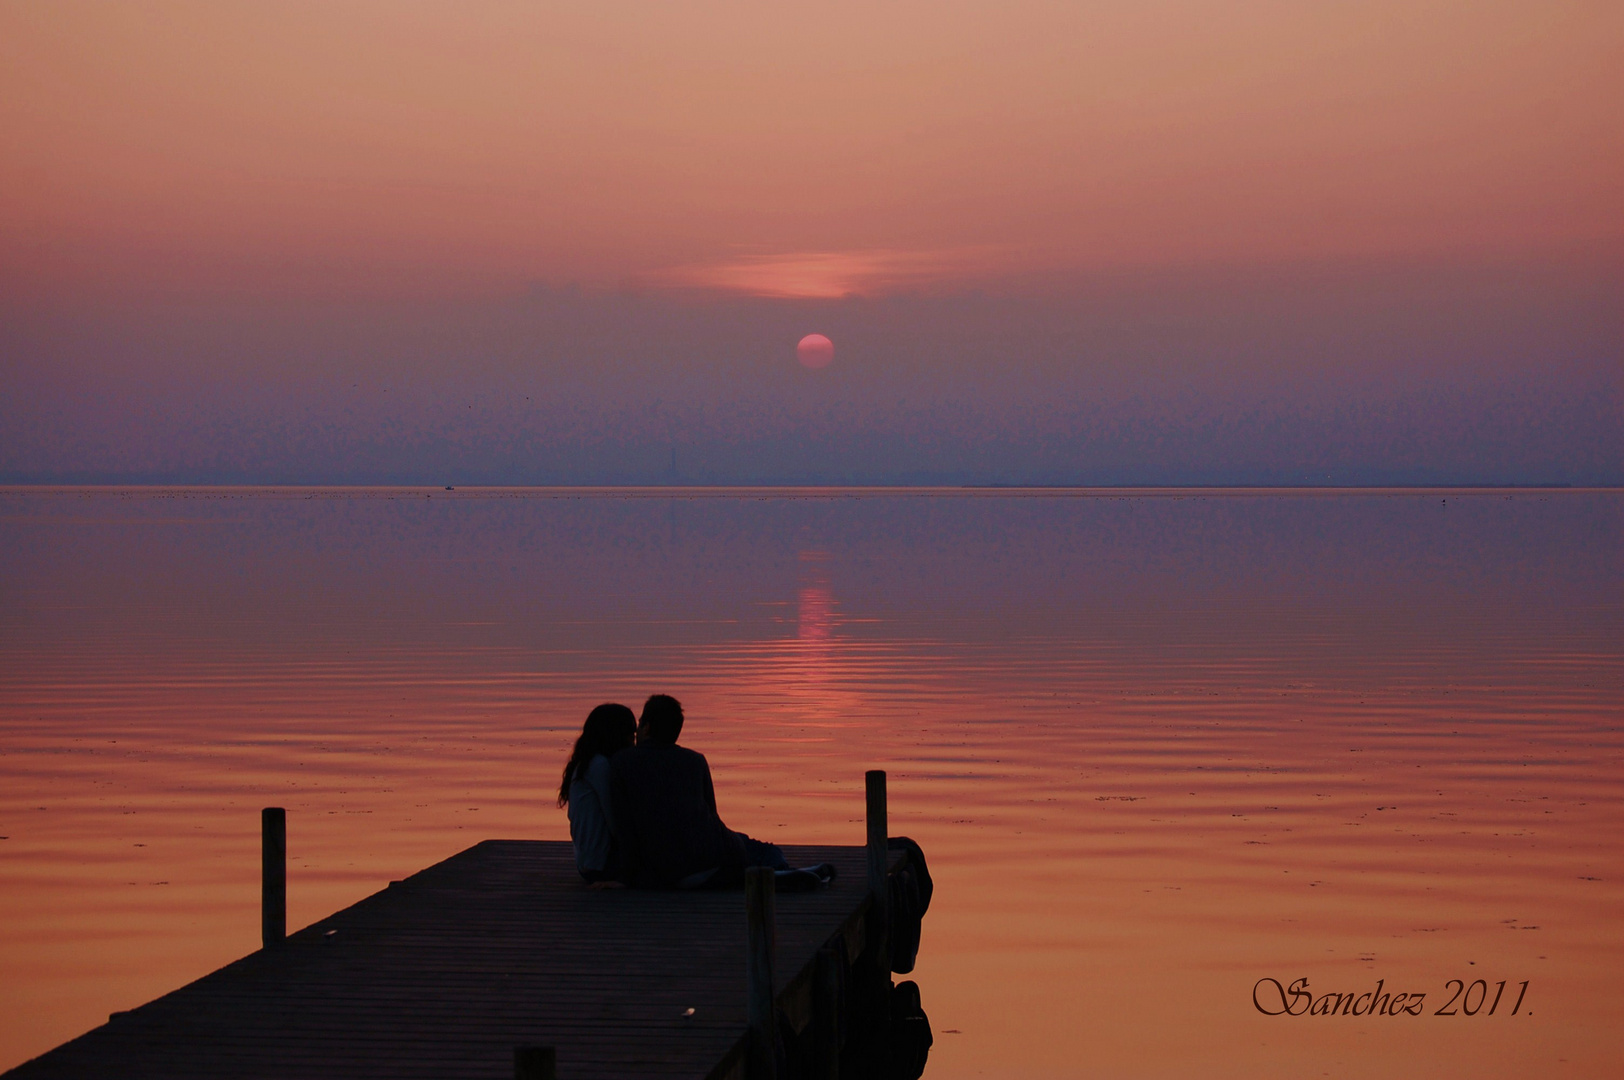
<point x="815" y="351"/>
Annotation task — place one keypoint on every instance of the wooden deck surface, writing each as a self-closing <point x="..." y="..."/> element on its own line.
<point x="443" y="974"/>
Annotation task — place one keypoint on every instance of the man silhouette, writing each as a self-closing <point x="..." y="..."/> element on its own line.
<point x="666" y="823"/>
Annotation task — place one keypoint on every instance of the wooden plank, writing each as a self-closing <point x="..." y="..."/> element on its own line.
<point x="445" y="973"/>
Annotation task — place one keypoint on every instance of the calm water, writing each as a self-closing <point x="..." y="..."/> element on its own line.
<point x="1157" y="747"/>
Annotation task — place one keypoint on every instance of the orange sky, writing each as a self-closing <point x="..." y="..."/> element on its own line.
<point x="806" y="150"/>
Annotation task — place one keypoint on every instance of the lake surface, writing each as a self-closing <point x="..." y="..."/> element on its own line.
<point x="1157" y="746"/>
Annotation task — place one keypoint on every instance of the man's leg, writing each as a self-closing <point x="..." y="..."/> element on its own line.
<point x="761" y="853"/>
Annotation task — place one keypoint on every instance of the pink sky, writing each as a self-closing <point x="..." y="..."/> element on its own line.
<point x="1052" y="242"/>
<point x="790" y="150"/>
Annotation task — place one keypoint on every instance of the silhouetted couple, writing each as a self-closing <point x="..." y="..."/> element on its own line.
<point x="643" y="810"/>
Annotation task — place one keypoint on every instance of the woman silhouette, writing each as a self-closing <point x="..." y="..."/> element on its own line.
<point x="609" y="729"/>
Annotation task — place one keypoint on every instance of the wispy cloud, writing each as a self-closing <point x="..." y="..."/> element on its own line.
<point x="829" y="274"/>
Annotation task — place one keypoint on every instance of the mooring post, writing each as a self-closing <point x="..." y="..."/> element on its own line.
<point x="879" y="860"/>
<point x="273" y="919"/>
<point x="535" y="1063"/>
<point x="826" y="1016"/>
<point x="760" y="921"/>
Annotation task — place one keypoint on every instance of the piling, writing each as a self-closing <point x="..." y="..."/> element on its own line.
<point x="879" y="860"/>
<point x="535" y="1063"/>
<point x="760" y="919"/>
<point x="273" y="921"/>
<point x="826" y="1005"/>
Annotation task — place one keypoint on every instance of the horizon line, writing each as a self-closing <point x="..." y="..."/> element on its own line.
<point x="991" y="490"/>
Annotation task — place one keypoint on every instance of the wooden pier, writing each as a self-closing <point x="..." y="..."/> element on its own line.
<point x="499" y="962"/>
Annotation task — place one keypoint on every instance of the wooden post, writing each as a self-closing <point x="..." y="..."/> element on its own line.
<point x="879" y="861"/>
<point x="273" y="921"/>
<point x="761" y="1012"/>
<point x="826" y="1016"/>
<point x="535" y="1063"/>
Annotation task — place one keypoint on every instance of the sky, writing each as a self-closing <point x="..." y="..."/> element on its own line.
<point x="1151" y="242"/>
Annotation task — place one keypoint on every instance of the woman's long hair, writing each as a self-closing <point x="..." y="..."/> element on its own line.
<point x="608" y="728"/>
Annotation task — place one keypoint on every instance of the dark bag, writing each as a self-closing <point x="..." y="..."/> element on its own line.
<point x="910" y="889"/>
<point x="910" y="1033"/>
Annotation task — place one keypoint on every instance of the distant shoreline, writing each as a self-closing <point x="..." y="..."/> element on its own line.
<point x="765" y="491"/>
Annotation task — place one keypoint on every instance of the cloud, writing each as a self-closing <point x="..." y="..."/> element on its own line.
<point x="827" y="275"/>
